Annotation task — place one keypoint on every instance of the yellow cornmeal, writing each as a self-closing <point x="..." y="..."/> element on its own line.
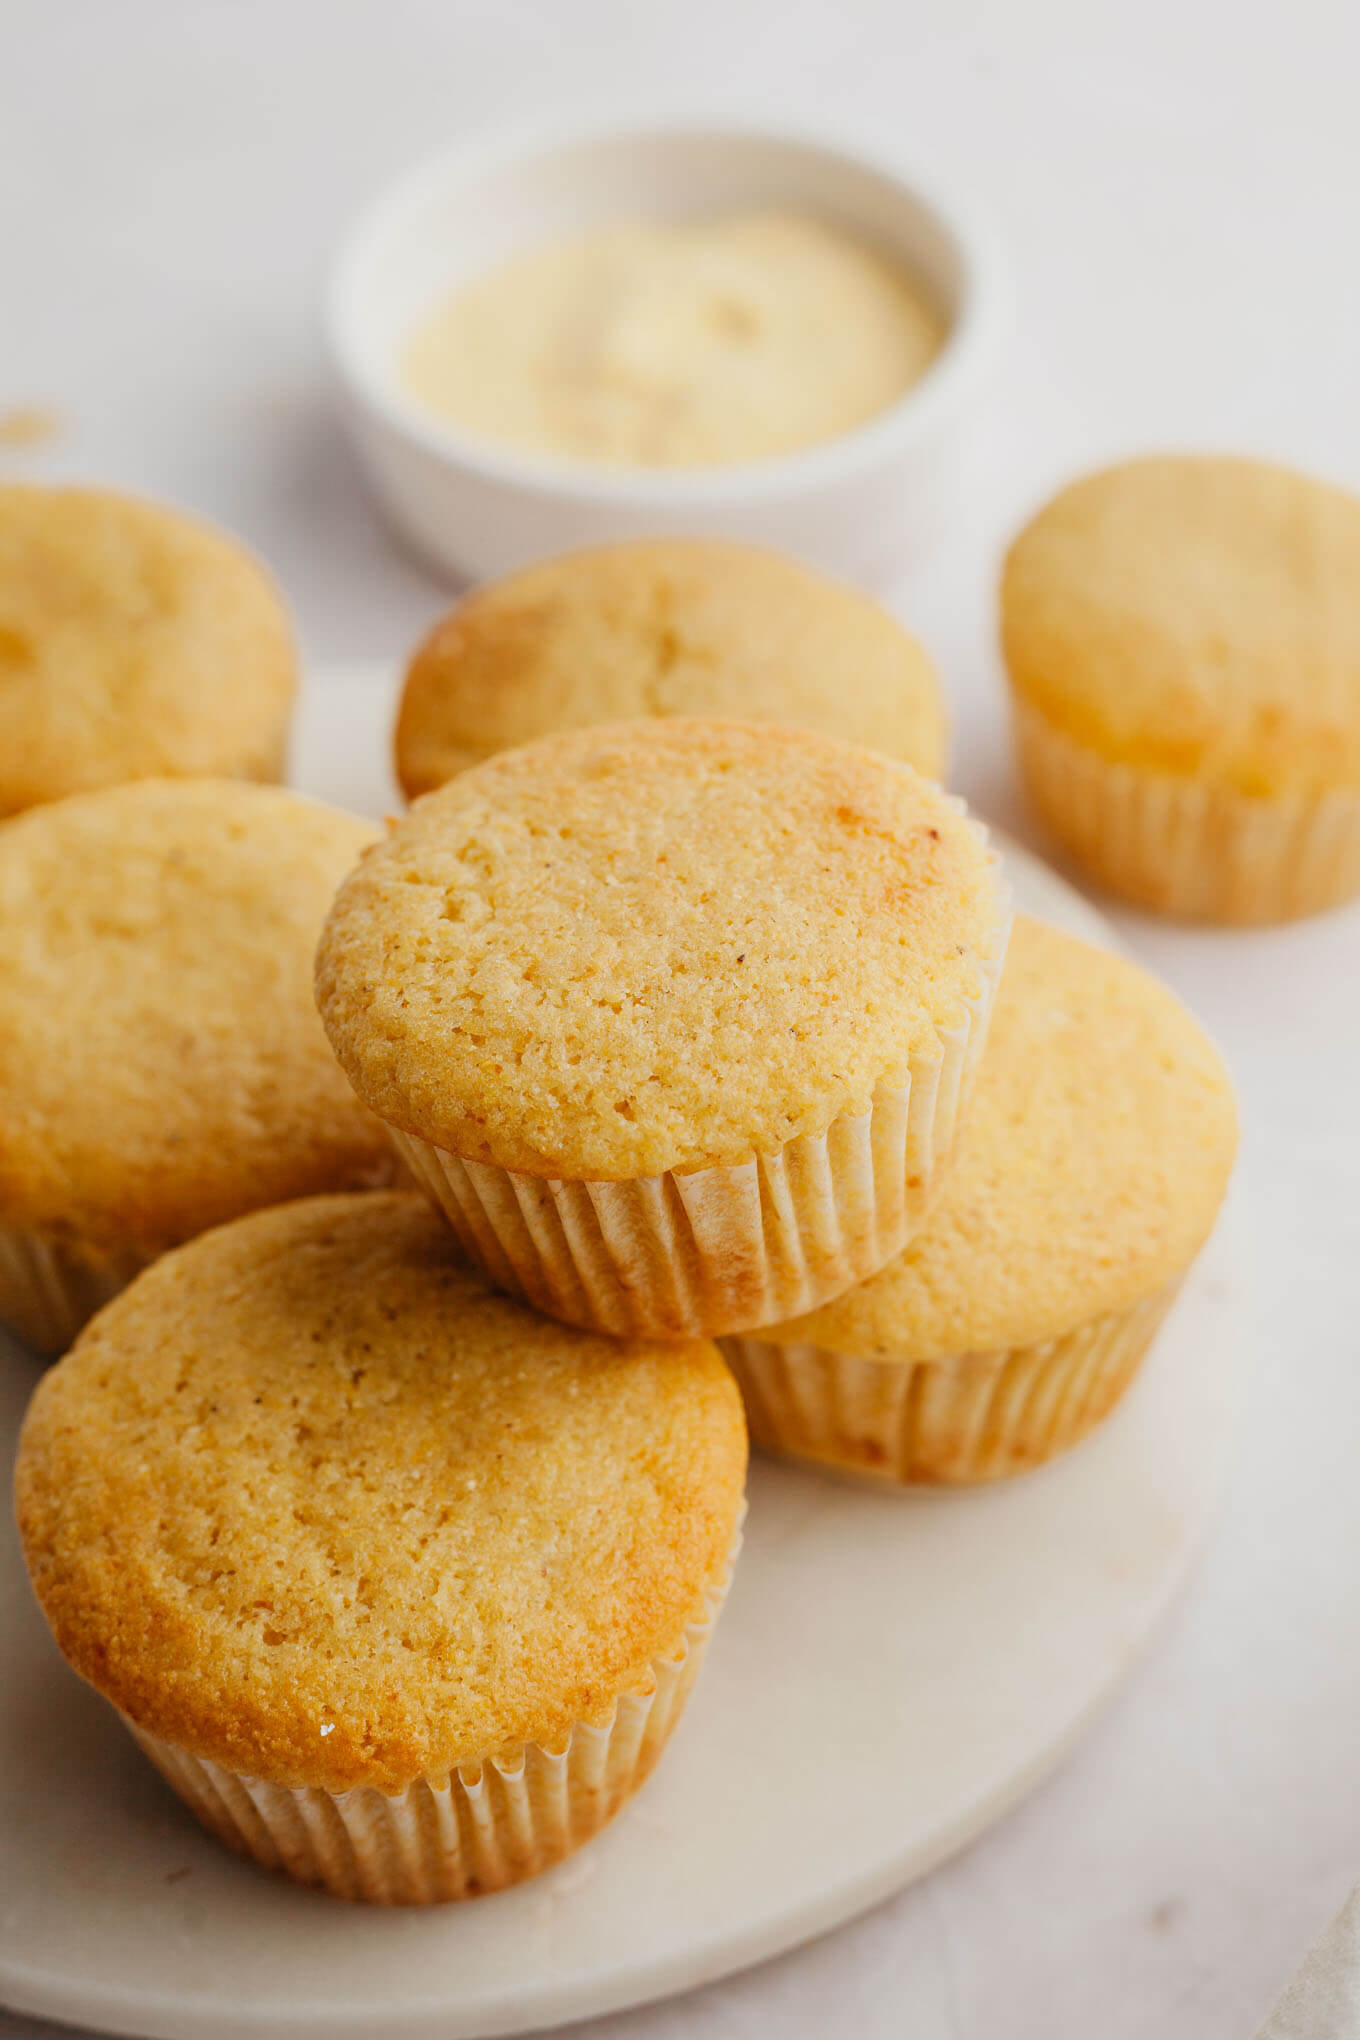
<point x="1088" y="1174"/>
<point x="665" y="627"/>
<point x="134" y="642"/>
<point x="311" y="1501"/>
<point x="655" y="946"/>
<point x="1195" y="617"/>
<point x="678" y="344"/>
<point x="161" y="1064"/>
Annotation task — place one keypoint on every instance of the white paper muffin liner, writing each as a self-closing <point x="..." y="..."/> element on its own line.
<point x="48" y="1292"/>
<point x="977" y="1417"/>
<point x="488" y="1825"/>
<point x="1180" y="847"/>
<point x="724" y="1249"/>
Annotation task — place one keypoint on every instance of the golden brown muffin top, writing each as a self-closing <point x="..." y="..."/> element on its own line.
<point x="664" y="627"/>
<point x="162" y="1067"/>
<point x="135" y="642"/>
<point x="313" y="1501"/>
<point x="656" y="945"/>
<point x="1195" y="616"/>
<point x="1088" y="1174"/>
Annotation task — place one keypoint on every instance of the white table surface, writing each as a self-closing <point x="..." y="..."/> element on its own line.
<point x="1179" y="188"/>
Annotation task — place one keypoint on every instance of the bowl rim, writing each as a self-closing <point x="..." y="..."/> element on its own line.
<point x="945" y="384"/>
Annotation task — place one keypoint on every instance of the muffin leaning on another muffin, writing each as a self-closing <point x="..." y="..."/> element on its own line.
<point x="1088" y="1176"/>
<point x="673" y="1018"/>
<point x="135" y="643"/>
<point x="1183" y="639"/>
<point x="663" y="627"/>
<point x="162" y="1067"/>
<point x="401" y="1587"/>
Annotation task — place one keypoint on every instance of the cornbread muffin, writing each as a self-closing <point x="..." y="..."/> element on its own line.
<point x="162" y="1067"/>
<point x="673" y="1017"/>
<point x="1183" y="639"/>
<point x="1088" y="1176"/>
<point x="134" y="643"/>
<point x="402" y="1587"/>
<point x="687" y="627"/>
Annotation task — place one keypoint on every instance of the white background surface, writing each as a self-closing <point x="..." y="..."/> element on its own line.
<point x="1179" y="188"/>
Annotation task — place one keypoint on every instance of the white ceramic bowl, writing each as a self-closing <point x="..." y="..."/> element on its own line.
<point x="861" y="504"/>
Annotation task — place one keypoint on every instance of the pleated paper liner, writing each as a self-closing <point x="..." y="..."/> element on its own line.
<point x="49" y="1292"/>
<point x="724" y="1249"/>
<point x="488" y="1825"/>
<point x="1180" y="847"/>
<point x="976" y="1418"/>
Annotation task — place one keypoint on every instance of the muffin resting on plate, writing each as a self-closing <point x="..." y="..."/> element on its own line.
<point x="1183" y="639"/>
<point x="401" y="1587"/>
<point x="135" y="643"/>
<point x="1087" y="1178"/>
<point x="663" y="627"/>
<point x="673" y="1018"/>
<point x="162" y="1067"/>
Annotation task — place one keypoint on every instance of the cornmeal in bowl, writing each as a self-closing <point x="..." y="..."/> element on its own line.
<point x="663" y="627"/>
<point x="135" y="643"/>
<point x="1183" y="640"/>
<point x="162" y="1067"/>
<point x="678" y="343"/>
<point x="402" y="1587"/>
<point x="674" y="1018"/>
<point x="1088" y="1176"/>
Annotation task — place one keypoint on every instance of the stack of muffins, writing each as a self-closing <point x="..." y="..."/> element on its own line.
<point x="392" y="1494"/>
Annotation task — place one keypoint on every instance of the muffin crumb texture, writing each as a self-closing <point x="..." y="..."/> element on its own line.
<point x="313" y="1502"/>
<point x="1198" y="617"/>
<point x="1088" y="1175"/>
<point x="162" y="1067"/>
<point x="135" y="643"/>
<point x="667" y="627"/>
<point x="655" y="946"/>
